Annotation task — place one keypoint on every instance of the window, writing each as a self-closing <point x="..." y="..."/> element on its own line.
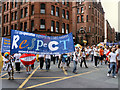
<point x="25" y="26"/>
<point x="7" y="33"/>
<point x="4" y="18"/>
<point x="21" y="26"/>
<point x="57" y="0"/>
<point x="21" y="13"/>
<point x="68" y="3"/>
<point x="4" y="7"/>
<point x="42" y="8"/>
<point x="7" y="5"/>
<point x="57" y="11"/>
<point x="11" y="26"/>
<point x="32" y="25"/>
<point x="21" y="2"/>
<point x="15" y="15"/>
<point x="12" y="16"/>
<point x="78" y="19"/>
<point x="52" y="10"/>
<point x="82" y="20"/>
<point x="67" y="29"/>
<point x="87" y="18"/>
<point x="92" y="10"/>
<point x="98" y="14"/>
<point x="0" y="19"/>
<point x="15" y="26"/>
<point x="67" y="16"/>
<point x="4" y="32"/>
<point x="82" y="10"/>
<point x="63" y="2"/>
<point x="32" y="13"/>
<point x="63" y="13"/>
<point x="15" y="3"/>
<point x="7" y="18"/>
<point x="78" y="10"/>
<point x="0" y="9"/>
<point x="57" y="27"/>
<point x="63" y="28"/>
<point x="52" y="26"/>
<point x="89" y="29"/>
<point x="12" y="4"/>
<point x="42" y="26"/>
<point x="26" y="12"/>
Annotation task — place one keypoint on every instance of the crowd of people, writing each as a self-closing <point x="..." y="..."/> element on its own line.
<point x="98" y="55"/>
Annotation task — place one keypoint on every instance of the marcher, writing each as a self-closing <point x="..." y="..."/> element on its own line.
<point x="17" y="61"/>
<point x="113" y="63"/>
<point x="96" y="56"/>
<point x="83" y="58"/>
<point x="47" y="59"/>
<point x="101" y="53"/>
<point x="75" y="60"/>
<point x="28" y="69"/>
<point x="92" y="53"/>
<point x="8" y="60"/>
<point x="41" y="59"/>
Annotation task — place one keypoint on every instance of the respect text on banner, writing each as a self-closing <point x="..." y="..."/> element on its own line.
<point x="25" y="42"/>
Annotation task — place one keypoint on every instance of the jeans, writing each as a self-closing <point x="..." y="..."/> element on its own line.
<point x="75" y="66"/>
<point x="113" y="66"/>
<point x="47" y="61"/>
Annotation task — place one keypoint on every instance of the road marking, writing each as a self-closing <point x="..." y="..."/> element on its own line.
<point x="64" y="71"/>
<point x="36" y="78"/>
<point x="3" y="75"/>
<point x="61" y="79"/>
<point x="21" y="86"/>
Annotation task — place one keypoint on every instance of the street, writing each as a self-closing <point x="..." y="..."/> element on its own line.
<point x="57" y="78"/>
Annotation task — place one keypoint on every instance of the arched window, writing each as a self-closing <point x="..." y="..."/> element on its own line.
<point x="42" y="8"/>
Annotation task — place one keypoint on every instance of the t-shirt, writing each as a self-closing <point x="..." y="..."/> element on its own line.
<point x="92" y="52"/>
<point x="95" y="52"/>
<point x="101" y="51"/>
<point x="105" y="51"/>
<point x="118" y="52"/>
<point x="48" y="57"/>
<point x="74" y="57"/>
<point x="17" y="57"/>
<point x="112" y="57"/>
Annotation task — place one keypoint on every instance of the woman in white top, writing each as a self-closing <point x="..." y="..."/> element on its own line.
<point x="113" y="63"/>
<point x="8" y="60"/>
<point x="83" y="57"/>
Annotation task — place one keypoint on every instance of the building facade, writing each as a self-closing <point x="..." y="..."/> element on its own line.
<point x="89" y="16"/>
<point x="110" y="32"/>
<point x="46" y="18"/>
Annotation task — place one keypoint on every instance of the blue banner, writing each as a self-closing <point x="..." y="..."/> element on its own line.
<point x="5" y="45"/>
<point x="25" y="42"/>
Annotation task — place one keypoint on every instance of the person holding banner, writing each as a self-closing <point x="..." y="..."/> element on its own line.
<point x="17" y="61"/>
<point x="41" y="59"/>
<point x="47" y="61"/>
<point x="8" y="60"/>
<point x="1" y="62"/>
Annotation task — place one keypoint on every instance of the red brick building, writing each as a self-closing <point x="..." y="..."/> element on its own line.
<point x="90" y="17"/>
<point x="0" y="22"/>
<point x="110" y="33"/>
<point x="49" y="18"/>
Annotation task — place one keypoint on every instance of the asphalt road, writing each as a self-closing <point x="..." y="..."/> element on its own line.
<point x="57" y="78"/>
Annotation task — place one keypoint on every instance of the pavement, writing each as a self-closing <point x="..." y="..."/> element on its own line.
<point x="59" y="78"/>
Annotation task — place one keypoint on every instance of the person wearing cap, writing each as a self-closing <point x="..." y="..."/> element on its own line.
<point x="8" y="61"/>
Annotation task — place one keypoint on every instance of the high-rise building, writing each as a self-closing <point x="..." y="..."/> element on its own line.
<point x="47" y="18"/>
<point x="88" y="17"/>
<point x="110" y="32"/>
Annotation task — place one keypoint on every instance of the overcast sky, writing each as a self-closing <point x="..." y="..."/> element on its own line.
<point x="111" y="12"/>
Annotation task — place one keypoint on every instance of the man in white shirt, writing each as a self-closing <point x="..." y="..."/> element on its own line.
<point x="17" y="61"/>
<point x="113" y="63"/>
<point x="118" y="58"/>
<point x="47" y="59"/>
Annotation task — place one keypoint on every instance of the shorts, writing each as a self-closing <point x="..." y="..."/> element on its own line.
<point x="101" y="58"/>
<point x="27" y="65"/>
